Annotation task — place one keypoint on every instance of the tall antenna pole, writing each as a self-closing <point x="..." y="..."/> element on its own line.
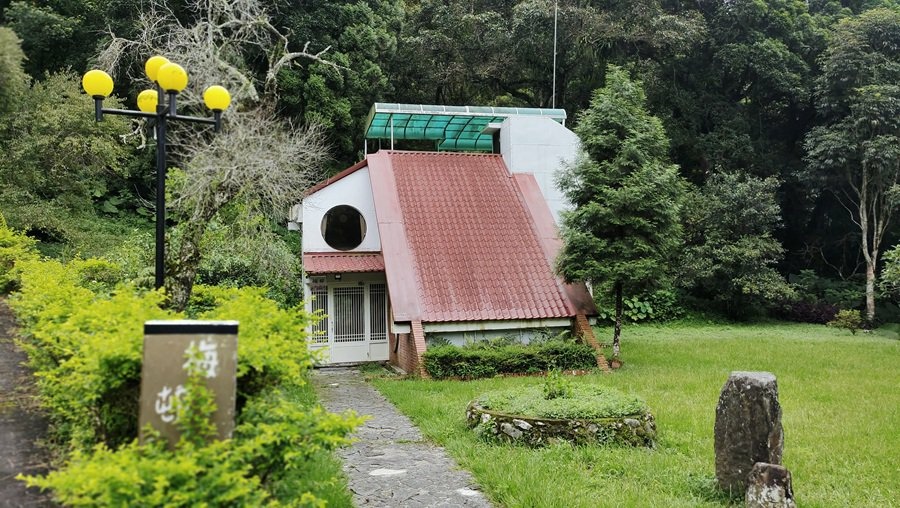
<point x="555" y="17"/>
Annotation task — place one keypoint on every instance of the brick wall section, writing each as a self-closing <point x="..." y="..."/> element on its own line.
<point x="418" y="349"/>
<point x="582" y="328"/>
<point x="409" y="355"/>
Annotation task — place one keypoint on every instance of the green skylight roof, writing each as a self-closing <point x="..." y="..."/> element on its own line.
<point x="452" y="128"/>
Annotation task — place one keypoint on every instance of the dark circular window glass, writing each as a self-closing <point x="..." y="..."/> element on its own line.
<point x="343" y="227"/>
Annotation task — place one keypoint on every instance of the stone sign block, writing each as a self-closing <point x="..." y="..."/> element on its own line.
<point x="164" y="372"/>
<point x="748" y="428"/>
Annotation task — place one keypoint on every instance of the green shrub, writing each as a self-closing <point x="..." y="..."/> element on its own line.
<point x="272" y="349"/>
<point x="556" y="386"/>
<point x="85" y="349"/>
<point x="479" y="360"/>
<point x="83" y="332"/>
<point x="847" y="320"/>
<point x="14" y="248"/>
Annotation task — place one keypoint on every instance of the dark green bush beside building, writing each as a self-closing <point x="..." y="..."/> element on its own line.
<point x="477" y="361"/>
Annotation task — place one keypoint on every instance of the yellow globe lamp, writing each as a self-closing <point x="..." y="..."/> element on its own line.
<point x="97" y="84"/>
<point x="147" y="101"/>
<point x="172" y="77"/>
<point x="217" y="98"/>
<point x="152" y="66"/>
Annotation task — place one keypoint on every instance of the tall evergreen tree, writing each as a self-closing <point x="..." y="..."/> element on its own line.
<point x="624" y="227"/>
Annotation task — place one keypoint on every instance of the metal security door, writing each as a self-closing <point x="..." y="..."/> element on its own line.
<point x="348" y="324"/>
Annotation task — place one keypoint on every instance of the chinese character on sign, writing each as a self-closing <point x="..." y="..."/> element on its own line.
<point x="209" y="357"/>
<point x="165" y="403"/>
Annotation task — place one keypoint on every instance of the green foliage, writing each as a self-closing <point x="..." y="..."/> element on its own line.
<point x="660" y="305"/>
<point x="272" y="348"/>
<point x="85" y="349"/>
<point x="848" y="320"/>
<point x="585" y="402"/>
<point x="14" y="248"/>
<point x="263" y="257"/>
<point x="810" y="287"/>
<point x="363" y="38"/>
<point x="59" y="168"/>
<point x="13" y="80"/>
<point x="731" y="255"/>
<point x="624" y="229"/>
<point x="277" y="434"/>
<point x="855" y="151"/>
<point x="85" y="346"/>
<point x="625" y="226"/>
<point x="890" y="273"/>
<point x="83" y="334"/>
<point x="190" y="476"/>
<point x="194" y="409"/>
<point x="484" y="360"/>
<point x="556" y="386"/>
<point x="59" y="151"/>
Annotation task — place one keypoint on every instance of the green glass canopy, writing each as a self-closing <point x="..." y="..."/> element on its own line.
<point x="452" y="128"/>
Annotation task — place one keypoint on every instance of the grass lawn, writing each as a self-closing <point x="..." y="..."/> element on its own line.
<point x="839" y="397"/>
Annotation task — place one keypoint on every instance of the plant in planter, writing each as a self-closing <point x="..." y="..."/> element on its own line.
<point x="583" y="414"/>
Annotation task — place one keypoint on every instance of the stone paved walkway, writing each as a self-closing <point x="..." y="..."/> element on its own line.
<point x="391" y="464"/>
<point x="20" y="426"/>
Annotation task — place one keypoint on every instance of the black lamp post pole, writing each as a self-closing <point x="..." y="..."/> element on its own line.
<point x="164" y="112"/>
<point x="161" y="169"/>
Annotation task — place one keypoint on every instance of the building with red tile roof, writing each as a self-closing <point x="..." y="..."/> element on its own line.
<point x="409" y="245"/>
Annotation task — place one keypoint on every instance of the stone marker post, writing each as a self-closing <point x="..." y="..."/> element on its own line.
<point x="769" y="487"/>
<point x="748" y="428"/>
<point x="164" y="372"/>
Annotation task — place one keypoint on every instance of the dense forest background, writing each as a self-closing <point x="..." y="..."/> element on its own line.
<point x="781" y="115"/>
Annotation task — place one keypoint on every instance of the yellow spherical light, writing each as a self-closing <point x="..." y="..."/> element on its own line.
<point x="217" y="98"/>
<point x="172" y="77"/>
<point x="97" y="84"/>
<point x="147" y="101"/>
<point x="153" y="64"/>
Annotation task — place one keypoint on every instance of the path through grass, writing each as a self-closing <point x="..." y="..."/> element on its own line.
<point x="839" y="396"/>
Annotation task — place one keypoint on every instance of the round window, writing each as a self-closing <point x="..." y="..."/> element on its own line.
<point x="343" y="227"/>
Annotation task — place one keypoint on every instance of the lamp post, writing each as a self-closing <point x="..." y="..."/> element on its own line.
<point x="170" y="79"/>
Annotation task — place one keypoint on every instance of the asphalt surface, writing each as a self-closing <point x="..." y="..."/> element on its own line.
<point x="21" y="425"/>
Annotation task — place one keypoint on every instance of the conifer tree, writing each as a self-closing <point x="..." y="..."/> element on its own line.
<point x="626" y="196"/>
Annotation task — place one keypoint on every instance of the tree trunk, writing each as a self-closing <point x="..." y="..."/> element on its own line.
<point x="618" y="328"/>
<point x="186" y="264"/>
<point x="870" y="290"/>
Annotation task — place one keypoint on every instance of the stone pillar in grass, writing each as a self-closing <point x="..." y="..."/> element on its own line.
<point x="748" y="428"/>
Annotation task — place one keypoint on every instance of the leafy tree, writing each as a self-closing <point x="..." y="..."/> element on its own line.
<point x="362" y="38"/>
<point x="258" y="161"/>
<point x="856" y="149"/>
<point x="731" y="254"/>
<point x="624" y="228"/>
<point x="58" y="167"/>
<point x="13" y="80"/>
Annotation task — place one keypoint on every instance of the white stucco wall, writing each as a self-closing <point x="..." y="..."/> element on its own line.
<point x="539" y="146"/>
<point x="354" y="190"/>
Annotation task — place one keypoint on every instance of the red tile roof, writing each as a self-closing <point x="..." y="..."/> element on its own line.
<point x="461" y="243"/>
<point x="346" y="262"/>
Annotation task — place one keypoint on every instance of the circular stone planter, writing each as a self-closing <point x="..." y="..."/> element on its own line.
<point x="638" y="429"/>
